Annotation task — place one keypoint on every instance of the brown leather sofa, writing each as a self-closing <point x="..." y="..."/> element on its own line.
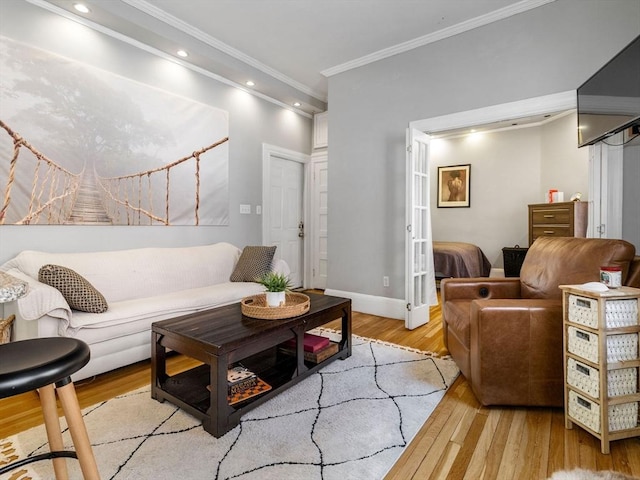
<point x="505" y="334"/>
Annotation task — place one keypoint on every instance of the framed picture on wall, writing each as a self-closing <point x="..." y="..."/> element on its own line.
<point x="454" y="186"/>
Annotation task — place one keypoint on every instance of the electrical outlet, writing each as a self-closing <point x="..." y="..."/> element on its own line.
<point x="245" y="209"/>
<point x="385" y="281"/>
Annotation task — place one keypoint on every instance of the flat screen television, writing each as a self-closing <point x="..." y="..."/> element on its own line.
<point x="609" y="101"/>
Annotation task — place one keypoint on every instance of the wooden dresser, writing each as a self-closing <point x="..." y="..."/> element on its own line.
<point x="563" y="219"/>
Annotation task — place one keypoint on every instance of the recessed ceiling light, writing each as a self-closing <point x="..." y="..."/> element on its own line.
<point x="81" y="8"/>
<point x="249" y="83"/>
<point x="297" y="104"/>
<point x="182" y="53"/>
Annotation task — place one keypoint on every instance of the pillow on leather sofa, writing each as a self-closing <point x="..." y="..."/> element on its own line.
<point x="253" y="263"/>
<point x="76" y="290"/>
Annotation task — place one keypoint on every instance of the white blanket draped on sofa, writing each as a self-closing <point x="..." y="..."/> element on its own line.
<point x="141" y="286"/>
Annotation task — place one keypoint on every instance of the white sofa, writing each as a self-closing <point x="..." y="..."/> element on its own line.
<point x="141" y="286"/>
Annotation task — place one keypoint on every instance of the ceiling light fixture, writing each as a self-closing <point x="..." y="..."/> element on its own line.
<point x="80" y="7"/>
<point x="297" y="104"/>
<point x="182" y="53"/>
<point x="249" y="83"/>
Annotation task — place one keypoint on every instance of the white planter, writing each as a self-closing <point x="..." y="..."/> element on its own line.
<point x="275" y="299"/>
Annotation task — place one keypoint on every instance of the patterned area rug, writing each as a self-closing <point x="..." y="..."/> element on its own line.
<point x="351" y="420"/>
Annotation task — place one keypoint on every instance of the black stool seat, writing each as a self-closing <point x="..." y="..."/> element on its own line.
<point x="30" y="364"/>
<point x="46" y="365"/>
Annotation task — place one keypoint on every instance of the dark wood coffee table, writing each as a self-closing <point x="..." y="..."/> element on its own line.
<point x="221" y="337"/>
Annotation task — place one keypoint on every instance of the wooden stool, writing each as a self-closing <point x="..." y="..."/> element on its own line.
<point x="41" y="363"/>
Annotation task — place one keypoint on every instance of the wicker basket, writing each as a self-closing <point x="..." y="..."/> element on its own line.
<point x="619" y="347"/>
<point x="255" y="306"/>
<point x="621" y="417"/>
<point x="5" y="329"/>
<point x="622" y="381"/>
<point x="618" y="313"/>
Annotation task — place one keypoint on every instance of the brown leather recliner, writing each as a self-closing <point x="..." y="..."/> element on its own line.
<point x="505" y="334"/>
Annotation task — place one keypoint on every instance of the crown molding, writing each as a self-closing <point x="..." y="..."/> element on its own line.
<point x="159" y="14"/>
<point x="159" y="53"/>
<point x="451" y="31"/>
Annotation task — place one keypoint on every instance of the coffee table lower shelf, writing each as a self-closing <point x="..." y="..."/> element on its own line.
<point x="190" y="389"/>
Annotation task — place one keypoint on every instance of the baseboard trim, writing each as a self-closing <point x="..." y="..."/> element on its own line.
<point x="373" y="305"/>
<point x="497" y="273"/>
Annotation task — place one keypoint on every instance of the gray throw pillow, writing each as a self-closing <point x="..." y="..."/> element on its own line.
<point x="76" y="290"/>
<point x="253" y="263"/>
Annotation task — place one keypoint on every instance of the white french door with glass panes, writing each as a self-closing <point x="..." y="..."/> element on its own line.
<point x="420" y="277"/>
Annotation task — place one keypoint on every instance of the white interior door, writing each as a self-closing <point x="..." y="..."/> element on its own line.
<point x="283" y="205"/>
<point x="319" y="212"/>
<point x="606" y="168"/>
<point x="420" y="277"/>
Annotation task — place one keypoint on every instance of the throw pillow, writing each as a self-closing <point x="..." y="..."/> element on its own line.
<point x="76" y="290"/>
<point x="253" y="263"/>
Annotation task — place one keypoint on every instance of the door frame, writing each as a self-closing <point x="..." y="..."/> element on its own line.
<point x="269" y="152"/>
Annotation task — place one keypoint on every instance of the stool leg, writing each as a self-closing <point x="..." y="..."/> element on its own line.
<point x="52" y="425"/>
<point x="81" y="443"/>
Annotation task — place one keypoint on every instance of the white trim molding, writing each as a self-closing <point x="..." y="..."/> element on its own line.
<point x="457" y="29"/>
<point x="159" y="53"/>
<point x="168" y="19"/>
<point x="373" y="305"/>
<point x="556" y="102"/>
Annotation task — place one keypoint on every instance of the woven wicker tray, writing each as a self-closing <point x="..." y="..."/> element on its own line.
<point x="255" y="306"/>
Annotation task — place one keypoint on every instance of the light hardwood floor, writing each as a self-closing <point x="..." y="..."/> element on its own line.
<point x="461" y="440"/>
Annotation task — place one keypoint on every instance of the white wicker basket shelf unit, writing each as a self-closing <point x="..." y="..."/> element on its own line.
<point x="602" y="362"/>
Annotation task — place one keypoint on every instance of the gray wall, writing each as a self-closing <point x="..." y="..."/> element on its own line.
<point x="252" y="122"/>
<point x="551" y="49"/>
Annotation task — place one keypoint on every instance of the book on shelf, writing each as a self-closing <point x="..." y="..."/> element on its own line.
<point x="238" y="373"/>
<point x="240" y="378"/>
<point x="311" y="343"/>
<point x="259" y="388"/>
<point x="314" y="357"/>
<point x="241" y="394"/>
<point x="243" y="385"/>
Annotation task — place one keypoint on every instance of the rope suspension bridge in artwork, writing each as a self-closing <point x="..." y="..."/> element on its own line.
<point x="58" y="196"/>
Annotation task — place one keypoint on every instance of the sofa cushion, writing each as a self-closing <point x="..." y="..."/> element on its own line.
<point x="254" y="262"/>
<point x="77" y="291"/>
<point x="551" y="262"/>
<point x="134" y="316"/>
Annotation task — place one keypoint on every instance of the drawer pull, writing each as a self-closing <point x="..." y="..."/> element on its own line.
<point x="549" y="216"/>
<point x="581" y="335"/>
<point x="549" y="232"/>
<point x="583" y="403"/>
<point x="583" y="370"/>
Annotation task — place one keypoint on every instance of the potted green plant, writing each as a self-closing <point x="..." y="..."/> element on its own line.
<point x="276" y="284"/>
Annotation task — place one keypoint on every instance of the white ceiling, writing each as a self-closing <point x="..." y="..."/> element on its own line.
<point x="288" y="47"/>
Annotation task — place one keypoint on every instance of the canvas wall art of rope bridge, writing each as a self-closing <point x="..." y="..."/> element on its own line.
<point x="63" y="197"/>
<point x="81" y="145"/>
